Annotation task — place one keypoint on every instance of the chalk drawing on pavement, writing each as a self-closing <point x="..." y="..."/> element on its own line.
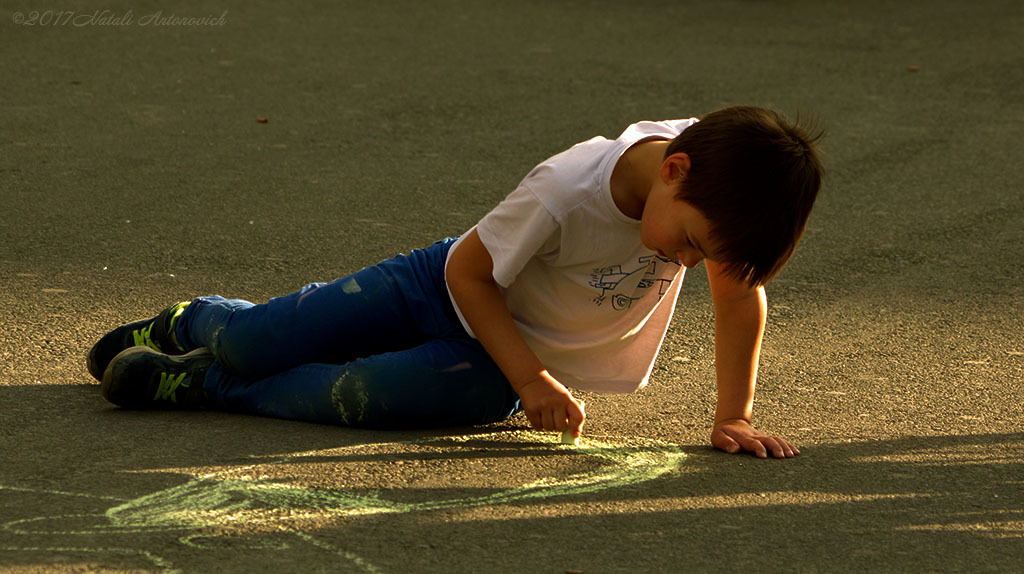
<point x="216" y="502"/>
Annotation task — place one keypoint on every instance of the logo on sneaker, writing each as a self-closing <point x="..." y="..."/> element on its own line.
<point x="168" y="385"/>
<point x="142" y="337"/>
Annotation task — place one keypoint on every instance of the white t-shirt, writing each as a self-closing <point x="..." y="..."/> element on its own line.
<point x="590" y="300"/>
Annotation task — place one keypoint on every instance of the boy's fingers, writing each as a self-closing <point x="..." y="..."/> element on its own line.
<point x="726" y="443"/>
<point x="790" y="446"/>
<point x="547" y="421"/>
<point x="754" y="445"/>
<point x="761" y="445"/>
<point x="768" y="446"/>
<point x="780" y="448"/>
<point x="576" y="417"/>
<point x="759" y="449"/>
<point x="535" y="420"/>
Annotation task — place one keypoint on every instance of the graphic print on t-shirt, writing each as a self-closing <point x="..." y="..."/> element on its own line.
<point x="623" y="287"/>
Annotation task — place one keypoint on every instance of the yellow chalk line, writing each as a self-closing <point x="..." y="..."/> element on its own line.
<point x="158" y="561"/>
<point x="210" y="500"/>
<point x="214" y="499"/>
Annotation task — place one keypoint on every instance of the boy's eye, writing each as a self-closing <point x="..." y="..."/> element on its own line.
<point x="694" y="246"/>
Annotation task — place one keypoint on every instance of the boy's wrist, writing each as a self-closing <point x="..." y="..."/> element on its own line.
<point x="520" y="384"/>
<point x="732" y="420"/>
<point x="732" y="411"/>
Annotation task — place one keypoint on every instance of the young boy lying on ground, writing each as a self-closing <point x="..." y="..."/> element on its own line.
<point x="569" y="283"/>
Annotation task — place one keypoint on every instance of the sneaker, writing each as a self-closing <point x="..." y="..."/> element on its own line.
<point x="156" y="333"/>
<point x="141" y="378"/>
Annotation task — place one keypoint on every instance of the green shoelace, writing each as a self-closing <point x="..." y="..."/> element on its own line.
<point x="168" y="385"/>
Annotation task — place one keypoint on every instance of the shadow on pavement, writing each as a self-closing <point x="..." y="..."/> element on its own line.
<point x="216" y="483"/>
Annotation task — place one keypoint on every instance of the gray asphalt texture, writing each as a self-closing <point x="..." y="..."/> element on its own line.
<point x="134" y="173"/>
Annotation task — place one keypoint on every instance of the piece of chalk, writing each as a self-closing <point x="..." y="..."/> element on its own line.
<point x="567" y="438"/>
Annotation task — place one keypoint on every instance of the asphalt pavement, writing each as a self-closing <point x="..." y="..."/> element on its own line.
<point x="152" y="152"/>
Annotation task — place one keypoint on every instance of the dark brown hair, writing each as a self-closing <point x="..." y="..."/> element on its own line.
<point x="754" y="176"/>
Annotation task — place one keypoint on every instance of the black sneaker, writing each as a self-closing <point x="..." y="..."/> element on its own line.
<point x="156" y="333"/>
<point x="141" y="378"/>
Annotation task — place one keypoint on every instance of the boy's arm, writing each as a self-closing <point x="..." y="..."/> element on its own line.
<point x="547" y="403"/>
<point x="740" y="312"/>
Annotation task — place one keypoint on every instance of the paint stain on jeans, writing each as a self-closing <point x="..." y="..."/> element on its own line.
<point x="351" y="286"/>
<point x="215" y="346"/>
<point x="350" y="397"/>
<point x="458" y="367"/>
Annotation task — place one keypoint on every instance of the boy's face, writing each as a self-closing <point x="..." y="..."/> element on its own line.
<point x="672" y="227"/>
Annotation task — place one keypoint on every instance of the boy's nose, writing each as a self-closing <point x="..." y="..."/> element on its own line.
<point x="689" y="258"/>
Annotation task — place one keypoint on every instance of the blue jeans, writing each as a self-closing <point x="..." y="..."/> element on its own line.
<point x="381" y="348"/>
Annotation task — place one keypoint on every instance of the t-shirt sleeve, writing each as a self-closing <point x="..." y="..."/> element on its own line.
<point x="519" y="228"/>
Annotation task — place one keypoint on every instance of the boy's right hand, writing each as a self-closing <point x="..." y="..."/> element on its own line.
<point x="550" y="406"/>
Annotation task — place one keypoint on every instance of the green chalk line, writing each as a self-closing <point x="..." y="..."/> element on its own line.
<point x="157" y="560"/>
<point x="217" y="500"/>
<point x="213" y="501"/>
<point x="353" y="558"/>
<point x="61" y="493"/>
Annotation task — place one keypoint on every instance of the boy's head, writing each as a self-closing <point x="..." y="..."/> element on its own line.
<point x="754" y="176"/>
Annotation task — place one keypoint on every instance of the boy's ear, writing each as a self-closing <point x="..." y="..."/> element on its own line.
<point x="675" y="168"/>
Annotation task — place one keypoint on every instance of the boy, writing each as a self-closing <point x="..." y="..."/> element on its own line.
<point x="570" y="282"/>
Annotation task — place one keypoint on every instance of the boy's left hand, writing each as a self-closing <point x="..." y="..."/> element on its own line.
<point x="737" y="435"/>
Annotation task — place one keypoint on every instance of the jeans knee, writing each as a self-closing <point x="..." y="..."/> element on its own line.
<point x="350" y="395"/>
<point x="233" y="354"/>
